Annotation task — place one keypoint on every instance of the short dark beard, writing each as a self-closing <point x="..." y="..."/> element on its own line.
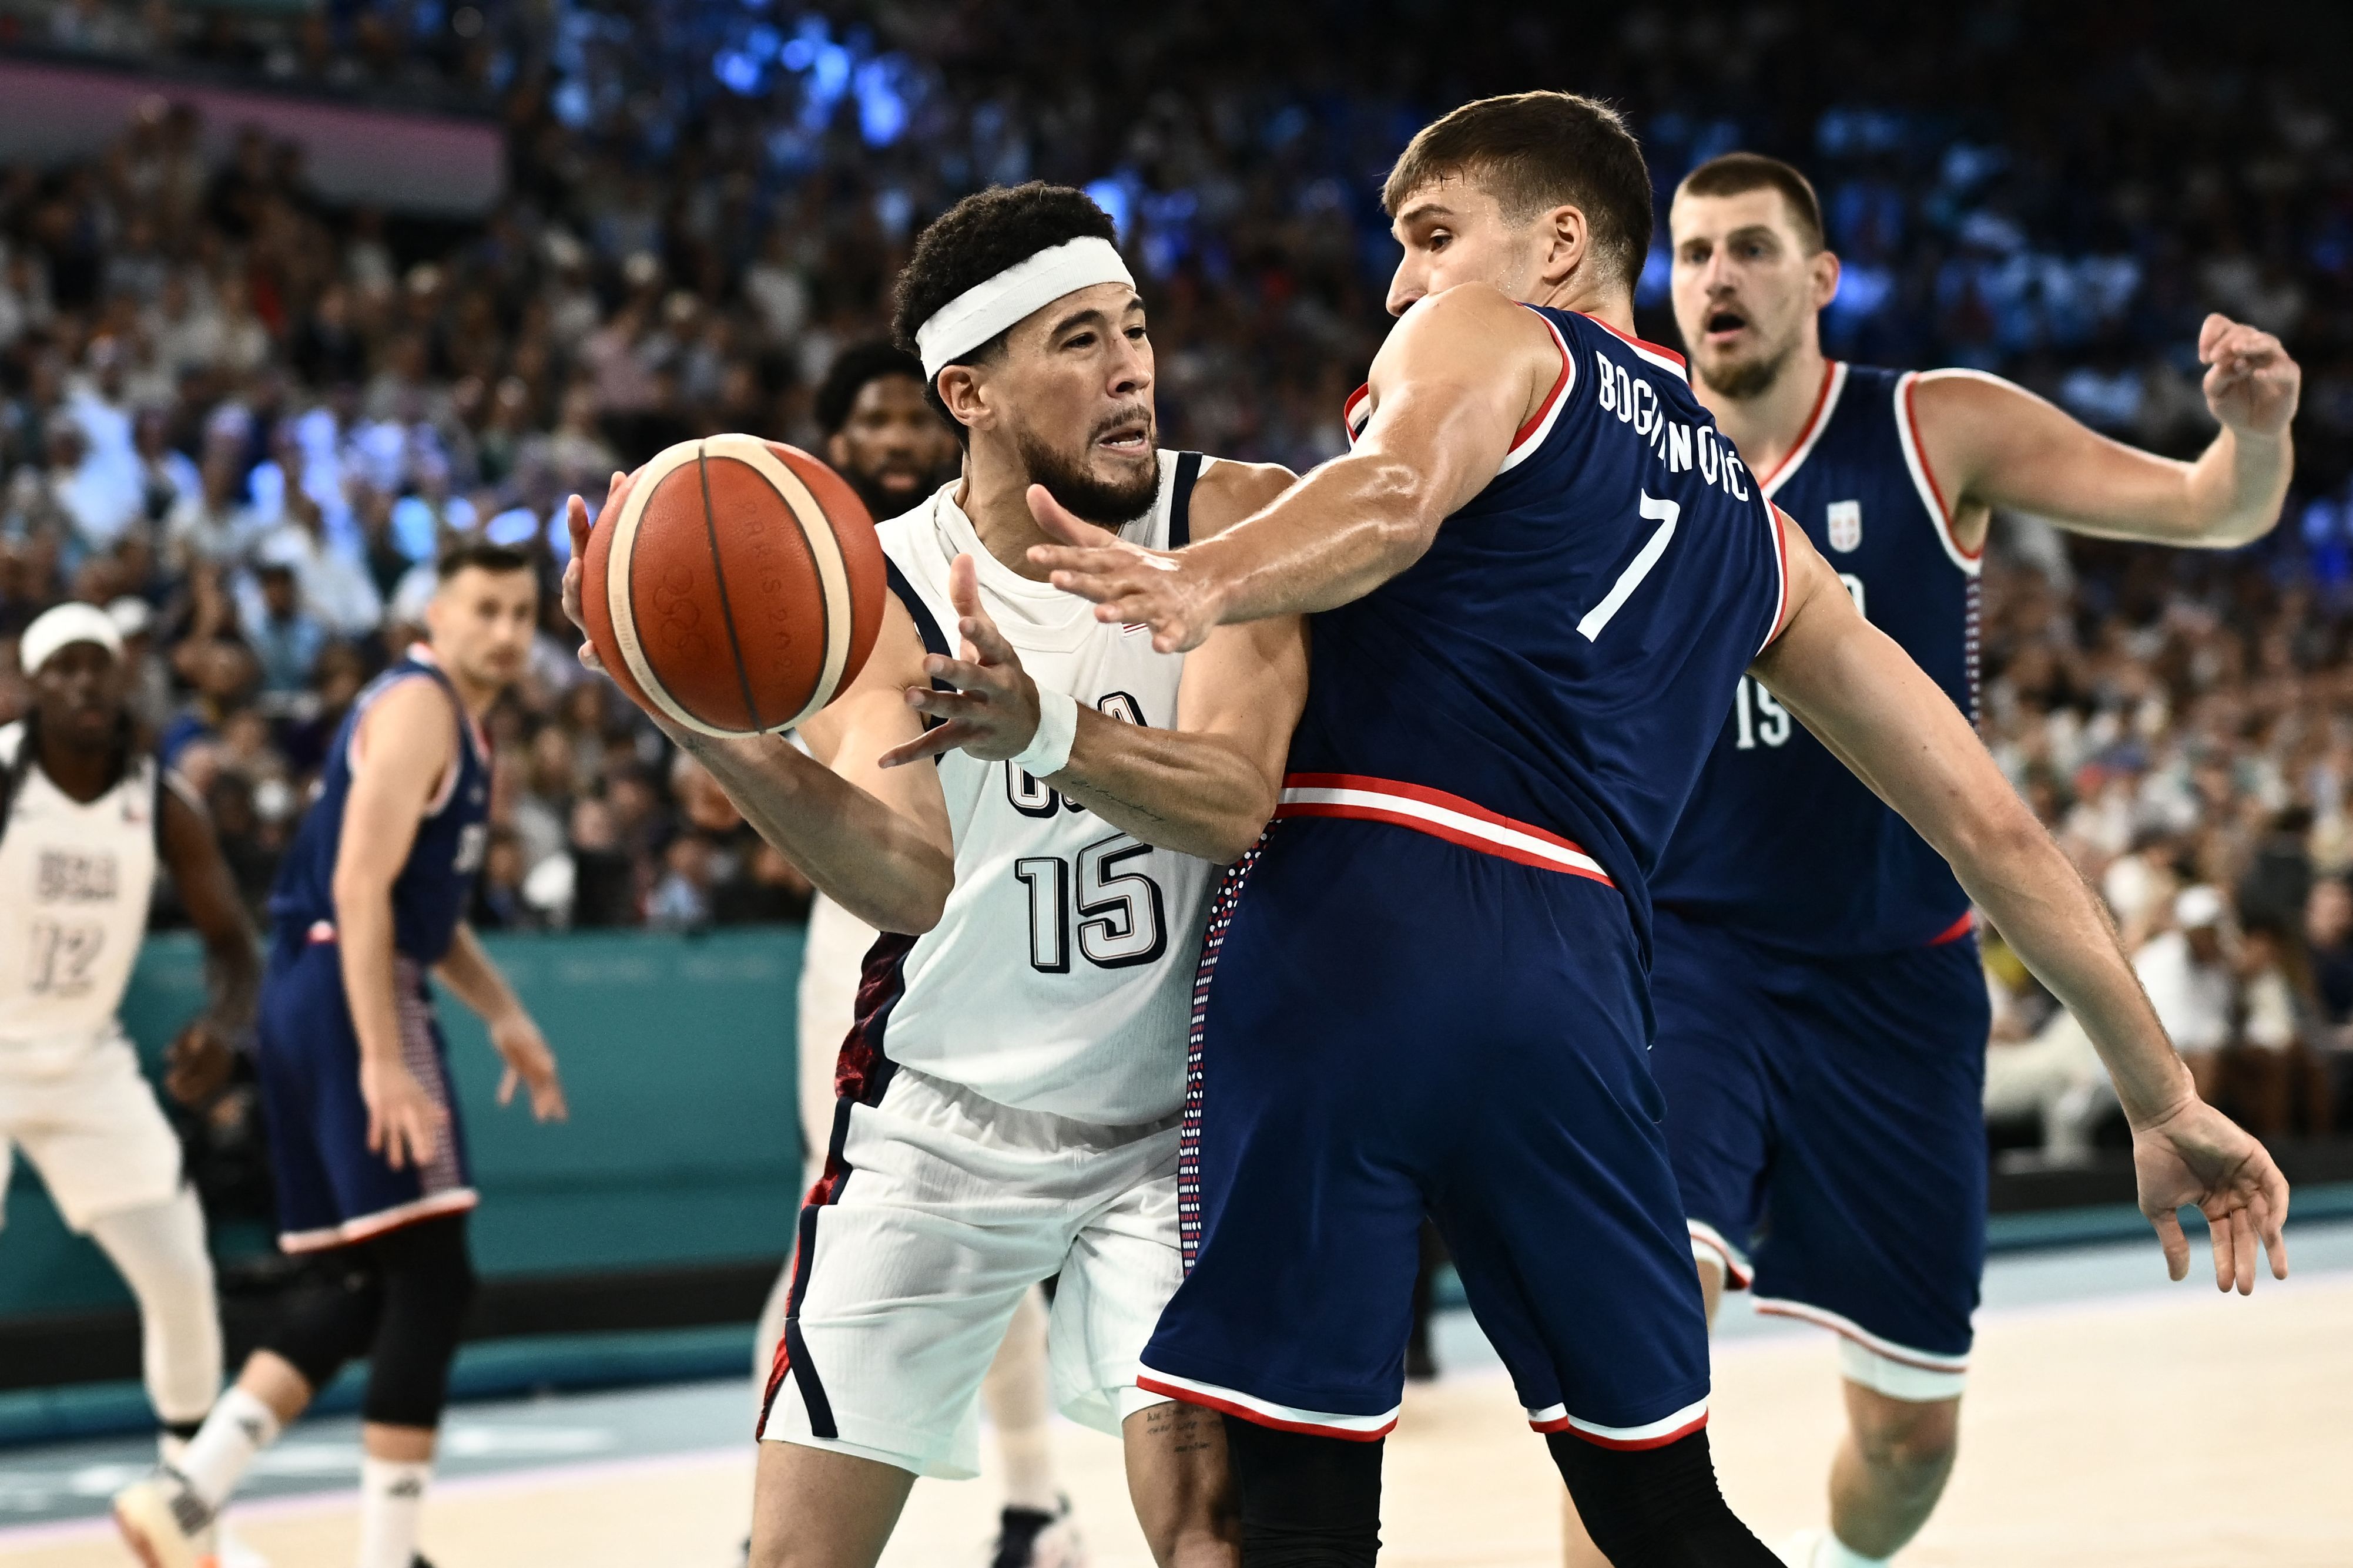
<point x="1751" y="380"/>
<point x="881" y="503"/>
<point x="1104" y="505"/>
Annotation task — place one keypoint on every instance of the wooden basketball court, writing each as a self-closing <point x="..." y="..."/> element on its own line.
<point x="2163" y="1430"/>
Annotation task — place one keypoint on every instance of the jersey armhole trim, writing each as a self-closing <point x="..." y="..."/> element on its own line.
<point x="1916" y="460"/>
<point x="1530" y="434"/>
<point x="447" y="790"/>
<point x="1782" y="524"/>
<point x="927" y="630"/>
<point x="1180" y="498"/>
<point x="1350" y="418"/>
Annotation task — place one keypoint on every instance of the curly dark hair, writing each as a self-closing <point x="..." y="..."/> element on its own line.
<point x="853" y="368"/>
<point x="974" y="240"/>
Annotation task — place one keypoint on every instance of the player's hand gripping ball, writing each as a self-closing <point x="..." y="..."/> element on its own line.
<point x="736" y="589"/>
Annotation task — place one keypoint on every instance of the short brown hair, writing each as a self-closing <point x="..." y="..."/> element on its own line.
<point x="1534" y="150"/>
<point x="480" y="554"/>
<point x="1738" y="173"/>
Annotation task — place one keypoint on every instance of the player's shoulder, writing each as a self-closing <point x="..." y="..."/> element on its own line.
<point x="1957" y="394"/>
<point x="12" y="738"/>
<point x="1231" y="490"/>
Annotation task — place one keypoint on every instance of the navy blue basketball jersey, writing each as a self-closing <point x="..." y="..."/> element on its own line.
<point x="430" y="895"/>
<point x="1560" y="657"/>
<point x="1779" y="841"/>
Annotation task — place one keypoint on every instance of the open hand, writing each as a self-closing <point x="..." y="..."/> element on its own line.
<point x="1159" y="588"/>
<point x="404" y="1121"/>
<point x="530" y="1064"/>
<point x="2199" y="1156"/>
<point x="2252" y="384"/>
<point x="576" y="571"/>
<point x="992" y="711"/>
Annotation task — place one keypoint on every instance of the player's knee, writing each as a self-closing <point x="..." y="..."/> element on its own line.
<point x="1903" y="1439"/>
<point x="429" y="1284"/>
<point x="330" y="1320"/>
<point x="1655" y="1508"/>
<point x="1304" y="1501"/>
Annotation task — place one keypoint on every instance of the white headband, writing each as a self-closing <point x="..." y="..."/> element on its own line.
<point x="985" y="310"/>
<point x="62" y="628"/>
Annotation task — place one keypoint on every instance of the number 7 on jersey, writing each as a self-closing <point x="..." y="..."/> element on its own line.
<point x="1596" y="618"/>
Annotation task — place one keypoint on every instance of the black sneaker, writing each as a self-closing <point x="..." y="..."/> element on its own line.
<point x="1032" y="1538"/>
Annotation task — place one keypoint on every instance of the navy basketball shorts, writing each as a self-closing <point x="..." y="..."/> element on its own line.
<point x="1392" y="1024"/>
<point x="1826" y="1118"/>
<point x="331" y="1190"/>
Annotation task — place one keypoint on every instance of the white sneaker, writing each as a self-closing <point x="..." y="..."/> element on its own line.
<point x="164" y="1521"/>
<point x="1798" y="1551"/>
<point x="233" y="1552"/>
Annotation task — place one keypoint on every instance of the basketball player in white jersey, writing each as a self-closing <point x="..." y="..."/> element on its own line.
<point x="1009" y="1097"/>
<point x="884" y="437"/>
<point x="87" y="818"/>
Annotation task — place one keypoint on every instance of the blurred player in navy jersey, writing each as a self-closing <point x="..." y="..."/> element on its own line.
<point x="1822" y="1016"/>
<point x="1536" y="582"/>
<point x="364" y="1139"/>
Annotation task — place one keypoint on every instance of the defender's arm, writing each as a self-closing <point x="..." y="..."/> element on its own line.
<point x="406" y="744"/>
<point x="1999" y="445"/>
<point x="1457" y="378"/>
<point x="876" y="842"/>
<point x="1206" y="787"/>
<point x="200" y="1059"/>
<point x="1859" y="693"/>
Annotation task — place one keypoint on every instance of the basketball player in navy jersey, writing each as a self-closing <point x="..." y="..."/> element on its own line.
<point x="1536" y="582"/>
<point x="364" y="1141"/>
<point x="1822" y="1015"/>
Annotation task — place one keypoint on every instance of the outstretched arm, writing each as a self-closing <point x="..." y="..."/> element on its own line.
<point x="200" y="1057"/>
<point x="1206" y="787"/>
<point x="1458" y="375"/>
<point x="1996" y="445"/>
<point x="875" y="842"/>
<point x="1863" y="697"/>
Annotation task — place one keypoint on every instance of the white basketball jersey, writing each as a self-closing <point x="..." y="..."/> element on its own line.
<point x="1060" y="977"/>
<point x="74" y="885"/>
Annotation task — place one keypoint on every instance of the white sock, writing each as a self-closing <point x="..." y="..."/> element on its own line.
<point x="1835" y="1554"/>
<point x="223" y="1447"/>
<point x="392" y="1501"/>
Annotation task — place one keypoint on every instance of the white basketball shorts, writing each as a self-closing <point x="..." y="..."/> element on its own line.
<point x="88" y="1123"/>
<point x="952" y="1207"/>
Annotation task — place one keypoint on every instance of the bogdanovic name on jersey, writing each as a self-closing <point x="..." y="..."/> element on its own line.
<point x="75" y="879"/>
<point x="1060" y="977"/>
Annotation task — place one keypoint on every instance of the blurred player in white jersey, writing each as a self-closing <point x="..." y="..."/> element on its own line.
<point x="86" y="818"/>
<point x="894" y="449"/>
<point x="1010" y="1095"/>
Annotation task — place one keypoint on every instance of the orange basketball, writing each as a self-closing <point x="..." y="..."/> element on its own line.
<point x="739" y="587"/>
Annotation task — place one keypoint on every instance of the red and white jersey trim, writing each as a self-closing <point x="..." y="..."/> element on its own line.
<point x="1782" y="524"/>
<point x="1902" y="1355"/>
<point x="1665" y="358"/>
<point x="1539" y="425"/>
<point x="1266" y="1411"/>
<point x="451" y="1202"/>
<point x="1438" y="814"/>
<point x="1650" y="1435"/>
<point x="1357" y="411"/>
<point x="1825" y="405"/>
<point x="1708" y="1242"/>
<point x="1915" y="458"/>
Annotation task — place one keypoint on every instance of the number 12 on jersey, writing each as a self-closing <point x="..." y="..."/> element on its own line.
<point x="1121" y="922"/>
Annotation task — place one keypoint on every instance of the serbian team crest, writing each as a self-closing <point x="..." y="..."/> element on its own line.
<point x="1846" y="524"/>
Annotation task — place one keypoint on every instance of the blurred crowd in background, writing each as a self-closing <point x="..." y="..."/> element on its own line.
<point x="247" y="419"/>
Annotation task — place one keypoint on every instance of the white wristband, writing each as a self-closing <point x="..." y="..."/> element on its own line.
<point x="1048" y="751"/>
